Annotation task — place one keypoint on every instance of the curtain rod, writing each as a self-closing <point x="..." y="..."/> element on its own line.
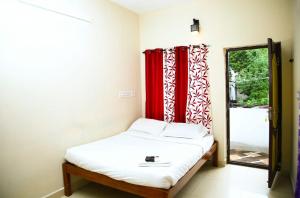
<point x="195" y="46"/>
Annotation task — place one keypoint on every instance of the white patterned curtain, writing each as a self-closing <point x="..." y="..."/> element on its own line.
<point x="198" y="109"/>
<point x="169" y="85"/>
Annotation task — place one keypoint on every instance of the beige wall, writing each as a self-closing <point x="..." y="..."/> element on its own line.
<point x="225" y="24"/>
<point x="59" y="83"/>
<point x="59" y="76"/>
<point x="296" y="88"/>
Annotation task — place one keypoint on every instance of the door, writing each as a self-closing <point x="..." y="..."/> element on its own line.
<point x="274" y="56"/>
<point x="247" y="98"/>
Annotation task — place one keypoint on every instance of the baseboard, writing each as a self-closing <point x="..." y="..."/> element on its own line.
<point x="55" y="194"/>
<point x="59" y="193"/>
<point x="221" y="163"/>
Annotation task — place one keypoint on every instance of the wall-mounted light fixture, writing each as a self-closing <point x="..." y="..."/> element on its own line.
<point x="195" y="26"/>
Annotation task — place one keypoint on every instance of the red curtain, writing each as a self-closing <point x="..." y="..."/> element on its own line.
<point x="154" y="84"/>
<point x="181" y="61"/>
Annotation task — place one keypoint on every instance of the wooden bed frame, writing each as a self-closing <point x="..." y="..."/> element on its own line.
<point x="143" y="191"/>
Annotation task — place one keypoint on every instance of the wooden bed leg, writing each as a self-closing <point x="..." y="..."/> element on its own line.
<point x="67" y="181"/>
<point x="215" y="157"/>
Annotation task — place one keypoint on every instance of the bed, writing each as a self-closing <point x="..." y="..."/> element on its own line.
<point x="118" y="162"/>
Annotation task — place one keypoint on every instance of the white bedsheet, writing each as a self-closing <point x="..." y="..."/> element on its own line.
<point x="119" y="156"/>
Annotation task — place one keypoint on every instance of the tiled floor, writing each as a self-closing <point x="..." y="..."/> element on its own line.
<point x="228" y="182"/>
<point x="250" y="157"/>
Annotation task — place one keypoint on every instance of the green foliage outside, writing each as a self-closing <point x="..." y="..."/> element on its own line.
<point x="253" y="76"/>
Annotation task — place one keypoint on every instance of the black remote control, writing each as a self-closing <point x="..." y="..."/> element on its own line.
<point x="150" y="159"/>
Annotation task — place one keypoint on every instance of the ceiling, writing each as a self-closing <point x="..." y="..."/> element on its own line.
<point x="142" y="6"/>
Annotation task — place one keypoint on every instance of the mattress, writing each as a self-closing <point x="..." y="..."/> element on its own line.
<point x="119" y="157"/>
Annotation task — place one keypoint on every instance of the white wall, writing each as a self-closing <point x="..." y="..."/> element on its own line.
<point x="249" y="129"/>
<point x="59" y="83"/>
<point x="296" y="89"/>
<point x="225" y="24"/>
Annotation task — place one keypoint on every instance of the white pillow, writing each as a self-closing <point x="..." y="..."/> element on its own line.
<point x="183" y="130"/>
<point x="149" y="126"/>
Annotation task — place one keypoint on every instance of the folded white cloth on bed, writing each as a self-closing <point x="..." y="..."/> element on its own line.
<point x="155" y="164"/>
<point x="159" y="163"/>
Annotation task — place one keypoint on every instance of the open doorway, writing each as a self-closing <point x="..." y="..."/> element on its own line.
<point x="254" y="107"/>
<point x="248" y="106"/>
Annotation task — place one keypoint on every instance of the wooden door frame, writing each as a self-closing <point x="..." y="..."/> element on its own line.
<point x="280" y="104"/>
<point x="276" y="46"/>
<point x="227" y="50"/>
